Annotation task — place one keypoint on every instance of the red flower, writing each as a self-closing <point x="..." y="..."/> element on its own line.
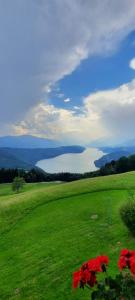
<point x="122" y="263"/>
<point x="124" y="252"/>
<point x="103" y="259"/>
<point x="93" y="279"/>
<point x="76" y="279"/>
<point x="94" y="265"/>
<point x="132" y="253"/>
<point x="84" y="266"/>
<point x="125" y="259"/>
<point x="132" y="265"/>
<point x="98" y="264"/>
<point x="87" y="272"/>
<point x="85" y="276"/>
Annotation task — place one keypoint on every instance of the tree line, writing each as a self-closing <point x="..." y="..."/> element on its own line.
<point x="124" y="164"/>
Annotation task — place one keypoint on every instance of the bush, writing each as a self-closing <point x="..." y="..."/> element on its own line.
<point x="18" y="184"/>
<point x="127" y="212"/>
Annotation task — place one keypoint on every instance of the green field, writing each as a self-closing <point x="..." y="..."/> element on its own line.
<point x="48" y="230"/>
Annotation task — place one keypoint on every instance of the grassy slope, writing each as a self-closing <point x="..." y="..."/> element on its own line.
<point x="47" y="232"/>
<point x="6" y="189"/>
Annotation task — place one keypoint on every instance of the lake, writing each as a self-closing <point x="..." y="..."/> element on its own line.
<point x="73" y="163"/>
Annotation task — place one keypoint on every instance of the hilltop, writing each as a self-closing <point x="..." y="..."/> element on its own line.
<point x="48" y="230"/>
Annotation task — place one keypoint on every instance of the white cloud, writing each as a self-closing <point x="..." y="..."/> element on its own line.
<point x="43" y="41"/>
<point x="77" y="107"/>
<point x="114" y="110"/>
<point x="105" y="114"/>
<point x="132" y="63"/>
<point x="49" y="121"/>
<point x="67" y="100"/>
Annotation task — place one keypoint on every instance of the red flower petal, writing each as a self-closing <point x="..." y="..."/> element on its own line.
<point x="122" y="263"/>
<point x="124" y="252"/>
<point x="76" y="279"/>
<point x="132" y="265"/>
<point x="93" y="280"/>
<point x="103" y="259"/>
<point x="85" y="276"/>
<point x="132" y="253"/>
<point x="94" y="265"/>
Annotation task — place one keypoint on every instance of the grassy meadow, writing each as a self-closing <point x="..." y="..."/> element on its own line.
<point x="48" y="230"/>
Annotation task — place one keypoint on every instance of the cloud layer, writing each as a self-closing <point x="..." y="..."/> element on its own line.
<point x="43" y="41"/>
<point x="104" y="115"/>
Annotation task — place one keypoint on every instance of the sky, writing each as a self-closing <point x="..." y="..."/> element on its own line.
<point x="67" y="69"/>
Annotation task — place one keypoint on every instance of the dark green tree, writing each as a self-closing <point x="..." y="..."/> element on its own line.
<point x="18" y="184"/>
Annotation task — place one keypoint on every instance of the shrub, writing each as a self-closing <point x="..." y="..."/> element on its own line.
<point x="127" y="213"/>
<point x="18" y="184"/>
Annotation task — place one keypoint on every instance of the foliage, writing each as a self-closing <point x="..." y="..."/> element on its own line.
<point x="18" y="184"/>
<point x="127" y="212"/>
<point x="122" y="287"/>
<point x="122" y="165"/>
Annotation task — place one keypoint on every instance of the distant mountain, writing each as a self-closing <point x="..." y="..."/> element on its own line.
<point x="27" y="158"/>
<point x="111" y="143"/>
<point x="27" y="141"/>
<point x="9" y="161"/>
<point x="129" y="143"/>
<point x="113" y="154"/>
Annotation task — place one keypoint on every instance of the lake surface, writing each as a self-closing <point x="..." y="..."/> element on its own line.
<point x="73" y="163"/>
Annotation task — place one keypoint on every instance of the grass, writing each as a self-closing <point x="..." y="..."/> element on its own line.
<point x="6" y="189"/>
<point x="48" y="231"/>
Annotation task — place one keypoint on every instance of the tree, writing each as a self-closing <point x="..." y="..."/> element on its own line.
<point x="122" y="164"/>
<point x="18" y="184"/>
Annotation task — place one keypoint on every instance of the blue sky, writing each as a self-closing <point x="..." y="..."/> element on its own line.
<point x="67" y="69"/>
<point x="97" y="73"/>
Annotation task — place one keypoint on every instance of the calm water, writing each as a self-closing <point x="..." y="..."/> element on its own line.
<point x="73" y="163"/>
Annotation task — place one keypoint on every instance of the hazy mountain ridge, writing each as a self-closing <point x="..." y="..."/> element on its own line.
<point x="27" y="141"/>
<point x="25" y="151"/>
<point x="9" y="160"/>
<point x="113" y="154"/>
<point x="27" y="158"/>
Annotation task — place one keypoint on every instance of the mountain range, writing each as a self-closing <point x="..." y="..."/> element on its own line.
<point x="25" y="151"/>
<point x="113" y="153"/>
<point x="27" y="141"/>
